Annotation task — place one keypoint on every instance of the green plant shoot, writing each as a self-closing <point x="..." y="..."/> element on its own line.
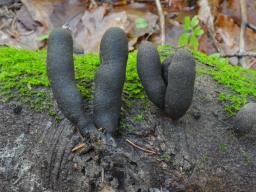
<point x="192" y="31"/>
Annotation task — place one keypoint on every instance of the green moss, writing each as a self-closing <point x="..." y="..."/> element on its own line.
<point x="248" y="157"/>
<point x="205" y="157"/>
<point x="125" y="127"/>
<point x="223" y="148"/>
<point x="167" y="158"/>
<point x="23" y="78"/>
<point x="241" y="83"/>
<point x="139" y="117"/>
<point x="85" y="68"/>
<point x="133" y="88"/>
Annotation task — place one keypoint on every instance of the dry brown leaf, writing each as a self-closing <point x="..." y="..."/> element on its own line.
<point x="227" y="34"/>
<point x="151" y="20"/>
<point x="205" y="14"/>
<point x="231" y="8"/>
<point x="252" y="64"/>
<point x="94" y="24"/>
<point x="140" y="11"/>
<point x="52" y="13"/>
<point x="177" y="5"/>
<point x="21" y="38"/>
<point x="206" y="44"/>
<point x="26" y="19"/>
<point x="38" y="17"/>
<point x="223" y="19"/>
<point x="107" y="189"/>
<point x="13" y="32"/>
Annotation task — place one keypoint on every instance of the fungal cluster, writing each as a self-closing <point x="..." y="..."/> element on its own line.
<point x="169" y="86"/>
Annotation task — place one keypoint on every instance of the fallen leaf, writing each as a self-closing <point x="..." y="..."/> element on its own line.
<point x="37" y="18"/>
<point x="231" y="8"/>
<point x="223" y="20"/>
<point x="150" y="28"/>
<point x="205" y="14"/>
<point x="206" y="44"/>
<point x="52" y="13"/>
<point x="26" y="19"/>
<point x="228" y="34"/>
<point x="141" y="22"/>
<point x="107" y="189"/>
<point x="94" y="24"/>
<point x="177" y="5"/>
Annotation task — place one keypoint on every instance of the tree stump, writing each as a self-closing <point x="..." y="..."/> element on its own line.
<point x="200" y="152"/>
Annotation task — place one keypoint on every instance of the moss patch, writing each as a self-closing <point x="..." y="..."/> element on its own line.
<point x="23" y="78"/>
<point x="241" y="83"/>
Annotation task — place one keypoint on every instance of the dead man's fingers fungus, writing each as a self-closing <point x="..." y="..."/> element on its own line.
<point x="180" y="88"/>
<point x="169" y="86"/>
<point x="150" y="73"/>
<point x="245" y="120"/>
<point x="109" y="79"/>
<point x="60" y="70"/>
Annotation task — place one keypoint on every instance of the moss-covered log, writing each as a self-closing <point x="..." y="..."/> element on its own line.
<point x="41" y="153"/>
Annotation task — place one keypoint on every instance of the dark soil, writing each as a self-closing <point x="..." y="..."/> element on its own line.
<point x="200" y="152"/>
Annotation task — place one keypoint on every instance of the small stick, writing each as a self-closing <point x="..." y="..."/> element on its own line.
<point x="245" y="54"/>
<point x="138" y="147"/>
<point x="243" y="5"/>
<point x="93" y="4"/>
<point x="27" y="33"/>
<point x="78" y="147"/>
<point x="208" y="20"/>
<point x="102" y="175"/>
<point x="162" y="20"/>
<point x="251" y="26"/>
<point x="215" y="42"/>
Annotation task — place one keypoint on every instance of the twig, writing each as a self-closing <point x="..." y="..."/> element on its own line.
<point x="27" y="33"/>
<point x="102" y="175"/>
<point x="244" y="54"/>
<point x="243" y="4"/>
<point x="252" y="64"/>
<point x="78" y="147"/>
<point x="215" y="42"/>
<point x="138" y="147"/>
<point x="3" y="25"/>
<point x="251" y="26"/>
<point x="162" y="20"/>
<point x="93" y="4"/>
<point x="208" y="20"/>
